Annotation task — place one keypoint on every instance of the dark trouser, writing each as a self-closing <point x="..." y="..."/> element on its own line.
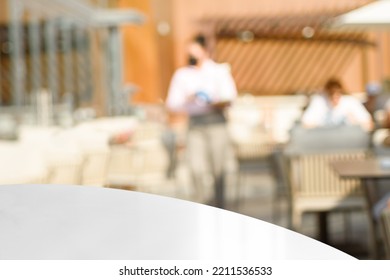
<point x="208" y="144"/>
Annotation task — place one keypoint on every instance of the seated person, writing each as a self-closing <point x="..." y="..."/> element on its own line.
<point x="373" y="94"/>
<point x="333" y="107"/>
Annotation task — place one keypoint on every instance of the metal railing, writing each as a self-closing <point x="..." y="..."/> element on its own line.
<point x="46" y="57"/>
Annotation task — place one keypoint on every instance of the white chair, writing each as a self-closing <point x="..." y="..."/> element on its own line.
<point x="35" y="135"/>
<point x="65" y="161"/>
<point x="8" y="127"/>
<point x="21" y="164"/>
<point x="62" y="155"/>
<point x="142" y="163"/>
<point x="110" y="125"/>
<point x="95" y="152"/>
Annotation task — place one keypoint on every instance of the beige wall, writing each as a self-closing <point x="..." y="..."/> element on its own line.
<point x="141" y="59"/>
<point x="148" y="55"/>
<point x="162" y="12"/>
<point x="3" y="11"/>
<point x="374" y="65"/>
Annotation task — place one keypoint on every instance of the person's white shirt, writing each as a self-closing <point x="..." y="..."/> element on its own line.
<point x="210" y="78"/>
<point x="348" y="111"/>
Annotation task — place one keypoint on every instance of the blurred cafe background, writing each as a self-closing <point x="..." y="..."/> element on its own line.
<point x="84" y="84"/>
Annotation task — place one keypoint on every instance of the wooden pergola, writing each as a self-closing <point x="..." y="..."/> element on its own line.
<point x="284" y="54"/>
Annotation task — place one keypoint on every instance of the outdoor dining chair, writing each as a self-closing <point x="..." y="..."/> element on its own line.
<point x="314" y="185"/>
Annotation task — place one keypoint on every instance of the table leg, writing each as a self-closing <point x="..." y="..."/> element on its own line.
<point x="323" y="227"/>
<point x="220" y="191"/>
<point x="370" y="195"/>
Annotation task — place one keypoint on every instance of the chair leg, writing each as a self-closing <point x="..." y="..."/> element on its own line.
<point x="238" y="190"/>
<point x="348" y="233"/>
<point x="296" y="220"/>
<point x="372" y="238"/>
<point x="323" y="234"/>
<point x="277" y="196"/>
<point x="197" y="187"/>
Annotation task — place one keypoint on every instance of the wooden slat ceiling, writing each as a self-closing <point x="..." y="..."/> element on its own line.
<point x="284" y="28"/>
<point x="272" y="56"/>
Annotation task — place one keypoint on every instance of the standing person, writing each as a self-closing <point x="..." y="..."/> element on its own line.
<point x="202" y="89"/>
<point x="333" y="107"/>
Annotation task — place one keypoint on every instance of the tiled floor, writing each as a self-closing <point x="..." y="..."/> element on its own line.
<point x="257" y="199"/>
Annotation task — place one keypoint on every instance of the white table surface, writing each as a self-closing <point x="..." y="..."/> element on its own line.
<point x="75" y="222"/>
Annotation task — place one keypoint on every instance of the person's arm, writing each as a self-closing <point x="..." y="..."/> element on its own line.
<point x="177" y="97"/>
<point x="360" y="116"/>
<point x="226" y="87"/>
